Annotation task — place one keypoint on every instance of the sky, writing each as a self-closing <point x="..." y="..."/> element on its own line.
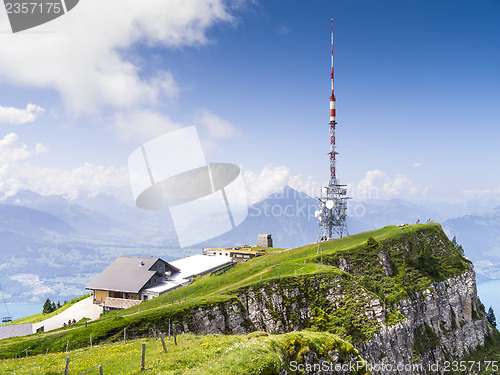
<point x="417" y="84"/>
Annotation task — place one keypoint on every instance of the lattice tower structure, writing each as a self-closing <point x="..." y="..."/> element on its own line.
<point x="332" y="213"/>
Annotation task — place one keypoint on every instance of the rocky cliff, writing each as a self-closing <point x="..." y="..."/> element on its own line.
<point x="408" y="304"/>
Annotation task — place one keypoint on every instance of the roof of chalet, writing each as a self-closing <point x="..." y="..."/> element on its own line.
<point x="127" y="274"/>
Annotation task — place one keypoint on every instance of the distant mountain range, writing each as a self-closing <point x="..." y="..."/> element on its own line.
<point x="51" y="246"/>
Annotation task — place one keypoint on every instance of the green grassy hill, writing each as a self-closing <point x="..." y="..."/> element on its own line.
<point x="390" y="265"/>
<point x="256" y="353"/>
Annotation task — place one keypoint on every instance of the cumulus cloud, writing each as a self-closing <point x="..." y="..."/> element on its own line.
<point x="272" y="180"/>
<point x="16" y="116"/>
<point x="213" y="126"/>
<point x="87" y="57"/>
<point x="212" y="129"/>
<point x="143" y="125"/>
<point x="17" y="173"/>
<point x="378" y="185"/>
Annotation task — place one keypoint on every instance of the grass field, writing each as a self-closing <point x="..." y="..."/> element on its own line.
<point x="256" y="353"/>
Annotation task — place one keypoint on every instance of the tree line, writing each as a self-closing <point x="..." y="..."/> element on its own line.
<point x="50" y="306"/>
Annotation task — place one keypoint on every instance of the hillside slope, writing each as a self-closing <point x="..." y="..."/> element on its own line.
<point x="401" y="296"/>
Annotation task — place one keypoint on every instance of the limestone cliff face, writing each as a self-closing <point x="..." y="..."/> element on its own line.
<point x="444" y="322"/>
<point x="440" y="323"/>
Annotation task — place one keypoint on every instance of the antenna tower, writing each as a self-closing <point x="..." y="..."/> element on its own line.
<point x="332" y="212"/>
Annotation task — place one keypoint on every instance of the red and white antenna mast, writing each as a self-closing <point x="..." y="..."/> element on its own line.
<point x="333" y="123"/>
<point x="332" y="213"/>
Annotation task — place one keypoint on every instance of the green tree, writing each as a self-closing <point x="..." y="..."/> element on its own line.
<point x="58" y="304"/>
<point x="490" y="315"/>
<point x="47" y="307"/>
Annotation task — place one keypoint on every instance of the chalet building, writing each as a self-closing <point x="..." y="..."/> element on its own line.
<point x="131" y="278"/>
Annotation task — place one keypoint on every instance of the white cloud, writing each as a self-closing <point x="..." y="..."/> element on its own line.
<point x="306" y="185"/>
<point x="16" y="116"/>
<point x="87" y="58"/>
<point x="88" y="177"/>
<point x="268" y="181"/>
<point x="417" y="164"/>
<point x="212" y="129"/>
<point x="213" y="126"/>
<point x="12" y="150"/>
<point x="142" y="125"/>
<point x="378" y="185"/>
<point x="272" y="180"/>
<point x="17" y="173"/>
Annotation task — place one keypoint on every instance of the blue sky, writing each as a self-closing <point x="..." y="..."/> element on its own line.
<point x="417" y="87"/>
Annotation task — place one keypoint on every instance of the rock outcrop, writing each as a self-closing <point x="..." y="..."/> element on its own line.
<point x="442" y="322"/>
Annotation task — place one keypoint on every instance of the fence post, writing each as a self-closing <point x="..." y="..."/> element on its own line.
<point x="163" y="342"/>
<point x="143" y="359"/>
<point x="100" y="370"/>
<point x="124" y="334"/>
<point x="175" y="337"/>
<point x="169" y="328"/>
<point x="90" y="340"/>
<point x="67" y="346"/>
<point x="47" y="351"/>
<point x="67" y="366"/>
<point x="154" y="332"/>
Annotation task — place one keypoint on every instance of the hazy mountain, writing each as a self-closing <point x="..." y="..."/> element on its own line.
<point x="50" y="246"/>
<point x="479" y="234"/>
<point x="31" y="223"/>
<point x="288" y="216"/>
<point x="79" y="217"/>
